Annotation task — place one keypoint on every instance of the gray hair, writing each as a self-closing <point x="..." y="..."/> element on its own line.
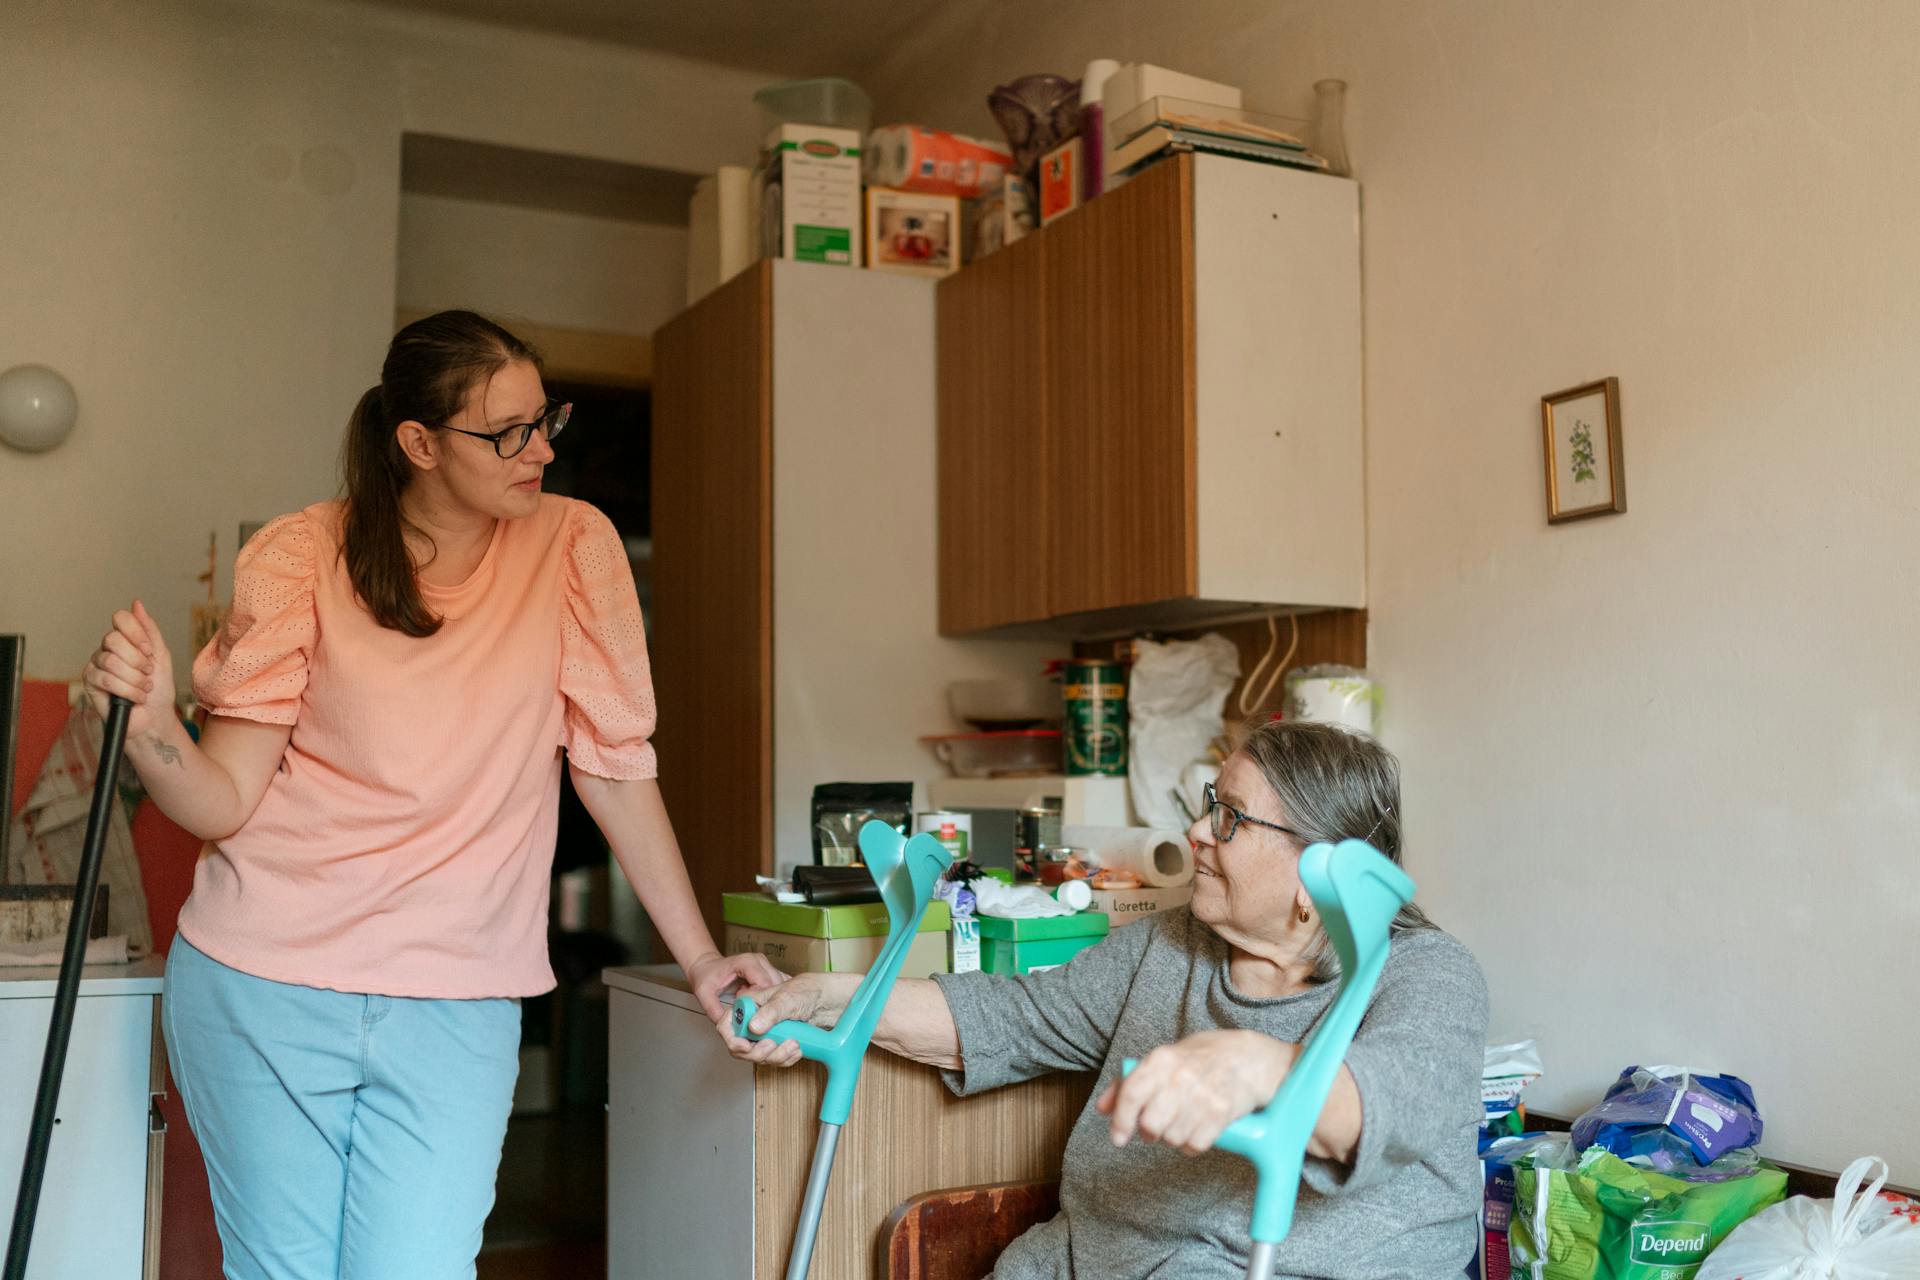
<point x="1333" y="784"/>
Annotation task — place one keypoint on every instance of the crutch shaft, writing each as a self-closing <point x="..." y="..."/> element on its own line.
<point x="816" y="1198"/>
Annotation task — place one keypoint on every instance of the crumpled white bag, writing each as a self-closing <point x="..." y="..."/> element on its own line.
<point x="1857" y="1235"/>
<point x="1016" y="901"/>
<point x="1175" y="694"/>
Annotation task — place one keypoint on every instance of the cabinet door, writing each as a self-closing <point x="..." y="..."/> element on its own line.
<point x="712" y="629"/>
<point x="93" y="1197"/>
<point x="1119" y="391"/>
<point x="993" y="442"/>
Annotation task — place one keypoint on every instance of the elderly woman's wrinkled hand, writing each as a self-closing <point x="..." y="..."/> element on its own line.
<point x="817" y="998"/>
<point x="1183" y="1094"/>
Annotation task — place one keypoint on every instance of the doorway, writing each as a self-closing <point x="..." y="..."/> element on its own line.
<point x="583" y="259"/>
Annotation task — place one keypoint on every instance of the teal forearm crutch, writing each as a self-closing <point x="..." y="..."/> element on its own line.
<point x="906" y="871"/>
<point x="1357" y="892"/>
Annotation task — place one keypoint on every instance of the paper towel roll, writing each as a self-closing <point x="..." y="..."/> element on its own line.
<point x="1162" y="859"/>
<point x="907" y="157"/>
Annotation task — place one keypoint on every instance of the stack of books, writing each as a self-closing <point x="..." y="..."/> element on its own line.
<point x="1160" y="126"/>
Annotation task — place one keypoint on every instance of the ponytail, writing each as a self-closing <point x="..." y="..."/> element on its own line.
<point x="374" y="538"/>
<point x="431" y="367"/>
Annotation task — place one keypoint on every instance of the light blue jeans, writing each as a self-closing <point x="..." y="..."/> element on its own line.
<point x="347" y="1137"/>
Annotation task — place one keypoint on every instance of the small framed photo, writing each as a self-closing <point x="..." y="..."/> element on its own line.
<point x="913" y="233"/>
<point x="1586" y="471"/>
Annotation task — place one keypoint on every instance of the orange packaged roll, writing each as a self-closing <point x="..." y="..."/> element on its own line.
<point x="907" y="157"/>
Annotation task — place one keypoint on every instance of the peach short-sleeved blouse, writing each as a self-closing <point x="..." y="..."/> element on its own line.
<point x="405" y="845"/>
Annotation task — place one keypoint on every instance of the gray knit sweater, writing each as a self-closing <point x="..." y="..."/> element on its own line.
<point x="1406" y="1208"/>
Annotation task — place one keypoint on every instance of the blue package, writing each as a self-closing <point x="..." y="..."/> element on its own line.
<point x="1713" y="1114"/>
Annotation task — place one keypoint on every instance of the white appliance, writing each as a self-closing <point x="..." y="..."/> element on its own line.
<point x="100" y="1202"/>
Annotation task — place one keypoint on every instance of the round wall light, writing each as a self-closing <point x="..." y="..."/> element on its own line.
<point x="37" y="407"/>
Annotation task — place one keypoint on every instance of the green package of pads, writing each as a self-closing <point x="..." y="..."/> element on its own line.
<point x="1609" y="1220"/>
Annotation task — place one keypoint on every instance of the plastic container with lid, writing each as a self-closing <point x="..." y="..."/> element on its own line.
<point x="828" y="101"/>
<point x="990" y="755"/>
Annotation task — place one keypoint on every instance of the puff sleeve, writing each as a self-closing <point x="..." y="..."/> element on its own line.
<point x="256" y="668"/>
<point x="604" y="673"/>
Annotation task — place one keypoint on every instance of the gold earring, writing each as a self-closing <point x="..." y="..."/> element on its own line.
<point x="1304" y="917"/>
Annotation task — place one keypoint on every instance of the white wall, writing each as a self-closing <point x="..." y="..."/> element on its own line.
<point x="551" y="268"/>
<point x="1662" y="769"/>
<point x="199" y="220"/>
<point x="859" y="669"/>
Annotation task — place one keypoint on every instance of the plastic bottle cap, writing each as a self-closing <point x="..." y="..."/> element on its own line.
<point x="1074" y="893"/>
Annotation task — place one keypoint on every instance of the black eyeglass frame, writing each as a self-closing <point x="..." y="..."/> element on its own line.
<point x="1215" y="804"/>
<point x="556" y="412"/>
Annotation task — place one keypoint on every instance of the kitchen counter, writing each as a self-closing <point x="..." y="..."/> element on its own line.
<point x="140" y="978"/>
<point x="708" y="1155"/>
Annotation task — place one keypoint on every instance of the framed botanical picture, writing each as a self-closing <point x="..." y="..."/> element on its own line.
<point x="1586" y="472"/>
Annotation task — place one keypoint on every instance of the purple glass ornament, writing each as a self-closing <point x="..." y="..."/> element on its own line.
<point x="1037" y="113"/>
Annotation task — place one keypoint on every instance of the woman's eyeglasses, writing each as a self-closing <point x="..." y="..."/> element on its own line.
<point x="509" y="441"/>
<point x="1223" y="820"/>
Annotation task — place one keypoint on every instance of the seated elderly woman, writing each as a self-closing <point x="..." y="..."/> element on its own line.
<point x="1216" y="999"/>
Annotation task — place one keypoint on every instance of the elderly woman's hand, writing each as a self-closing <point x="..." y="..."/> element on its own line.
<point x="1185" y="1093"/>
<point x="817" y="998"/>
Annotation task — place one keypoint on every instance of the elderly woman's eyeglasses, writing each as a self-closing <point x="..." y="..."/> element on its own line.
<point x="509" y="441"/>
<point x="1223" y="819"/>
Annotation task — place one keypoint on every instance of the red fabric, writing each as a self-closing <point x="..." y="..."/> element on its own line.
<point x="189" y="1242"/>
<point x="167" y="854"/>
<point x="43" y="711"/>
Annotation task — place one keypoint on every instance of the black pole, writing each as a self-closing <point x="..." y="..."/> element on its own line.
<point x="33" y="1170"/>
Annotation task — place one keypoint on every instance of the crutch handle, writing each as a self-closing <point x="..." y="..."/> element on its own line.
<point x="814" y="1043"/>
<point x="907" y="872"/>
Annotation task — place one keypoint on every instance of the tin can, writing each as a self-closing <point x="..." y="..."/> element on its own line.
<point x="954" y="831"/>
<point x="1034" y="830"/>
<point x="1096" y="706"/>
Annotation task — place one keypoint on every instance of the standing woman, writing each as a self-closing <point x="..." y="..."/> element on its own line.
<point x="379" y="784"/>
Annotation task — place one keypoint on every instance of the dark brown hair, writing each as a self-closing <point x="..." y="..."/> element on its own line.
<point x="1333" y="784"/>
<point x="431" y="367"/>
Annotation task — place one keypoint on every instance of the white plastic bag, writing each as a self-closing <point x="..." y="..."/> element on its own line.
<point x="1175" y="693"/>
<point x="1857" y="1235"/>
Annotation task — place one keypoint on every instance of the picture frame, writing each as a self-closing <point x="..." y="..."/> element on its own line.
<point x="912" y="233"/>
<point x="1580" y="438"/>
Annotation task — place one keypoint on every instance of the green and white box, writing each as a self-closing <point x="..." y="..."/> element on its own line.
<point x="1030" y="945"/>
<point x="807" y="190"/>
<point x="800" y="938"/>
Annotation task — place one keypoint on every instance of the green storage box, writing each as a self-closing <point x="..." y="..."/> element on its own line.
<point x="1027" y="946"/>
<point x="803" y="939"/>
<point x="860" y="920"/>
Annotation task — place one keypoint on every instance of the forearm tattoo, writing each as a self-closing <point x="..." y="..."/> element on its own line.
<point x="168" y="754"/>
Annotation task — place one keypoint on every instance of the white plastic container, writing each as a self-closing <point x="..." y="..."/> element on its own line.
<point x="828" y="101"/>
<point x="999" y="755"/>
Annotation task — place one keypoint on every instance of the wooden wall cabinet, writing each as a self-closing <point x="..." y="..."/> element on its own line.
<point x="993" y="459"/>
<point x="711" y="637"/>
<point x="1192" y="406"/>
